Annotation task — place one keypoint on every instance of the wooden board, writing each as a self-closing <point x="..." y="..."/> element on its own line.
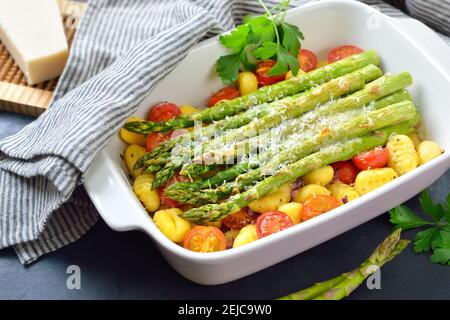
<point x="15" y="94"/>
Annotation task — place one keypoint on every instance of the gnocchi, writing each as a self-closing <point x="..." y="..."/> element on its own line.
<point x="142" y="187"/>
<point x="414" y="138"/>
<point x="246" y="235"/>
<point x="132" y="137"/>
<point x="428" y="150"/>
<point x="309" y="191"/>
<point x="402" y="154"/>
<point x="343" y="191"/>
<point x="188" y="109"/>
<point x="272" y="201"/>
<point x="321" y="176"/>
<point x="293" y="210"/>
<point x="169" y="222"/>
<point x="369" y="180"/>
<point x="247" y="82"/>
<point x="131" y="155"/>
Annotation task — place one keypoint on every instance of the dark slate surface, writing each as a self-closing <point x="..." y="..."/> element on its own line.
<point x="128" y="266"/>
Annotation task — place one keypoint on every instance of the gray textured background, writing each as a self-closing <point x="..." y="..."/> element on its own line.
<point x="128" y="266"/>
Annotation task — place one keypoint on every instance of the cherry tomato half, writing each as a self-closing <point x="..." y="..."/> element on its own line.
<point x="317" y="205"/>
<point x="205" y="239"/>
<point x="272" y="222"/>
<point x="307" y="60"/>
<point x="345" y="171"/>
<point x="164" y="111"/>
<point x="239" y="219"/>
<point x="342" y="52"/>
<point x="227" y="93"/>
<point x="373" y="159"/>
<point x="166" y="200"/>
<point x="154" y="139"/>
<point x="262" y="75"/>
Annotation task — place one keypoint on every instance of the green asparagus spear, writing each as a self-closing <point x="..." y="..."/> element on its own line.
<point x="287" y="110"/>
<point x="373" y="91"/>
<point x="389" y="249"/>
<point x="363" y="124"/>
<point x="236" y="121"/>
<point x="265" y="94"/>
<point x="291" y="109"/>
<point x="353" y="280"/>
<point x="338" y="152"/>
<point x="181" y="190"/>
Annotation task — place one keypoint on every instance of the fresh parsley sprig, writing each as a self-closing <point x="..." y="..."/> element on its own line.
<point x="436" y="236"/>
<point x="261" y="38"/>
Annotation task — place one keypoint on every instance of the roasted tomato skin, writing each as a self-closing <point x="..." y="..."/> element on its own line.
<point x="272" y="222"/>
<point x="262" y="73"/>
<point x="164" y="111"/>
<point x="205" y="239"/>
<point x="372" y="159"/>
<point x="239" y="219"/>
<point x="227" y="93"/>
<point x="345" y="172"/>
<point x="307" y="60"/>
<point x="343" y="52"/>
<point x="318" y="205"/>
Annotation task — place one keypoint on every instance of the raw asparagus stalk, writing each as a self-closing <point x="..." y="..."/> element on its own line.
<point x="363" y="124"/>
<point x="264" y="94"/>
<point x="388" y="250"/>
<point x="373" y="91"/>
<point x="232" y="172"/>
<point x="339" y="152"/>
<point x="287" y="110"/>
<point x="354" y="279"/>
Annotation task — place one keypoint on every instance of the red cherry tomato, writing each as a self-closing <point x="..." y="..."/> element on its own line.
<point x="154" y="139"/>
<point x="227" y="93"/>
<point x="205" y="239"/>
<point x="272" y="222"/>
<point x="163" y="112"/>
<point x="317" y="205"/>
<point x="262" y="75"/>
<point x="345" y="171"/>
<point x="307" y="60"/>
<point x="373" y="159"/>
<point x="166" y="200"/>
<point x="239" y="219"/>
<point x="342" y="52"/>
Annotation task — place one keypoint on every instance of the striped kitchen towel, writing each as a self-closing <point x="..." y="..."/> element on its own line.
<point x="121" y="51"/>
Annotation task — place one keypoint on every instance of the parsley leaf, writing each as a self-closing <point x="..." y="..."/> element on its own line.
<point x="404" y="218"/>
<point x="435" y="238"/>
<point x="236" y="40"/>
<point x="260" y="38"/>
<point x="266" y="51"/>
<point x="261" y="29"/>
<point x="284" y="62"/>
<point x="291" y="36"/>
<point x="426" y="203"/>
<point x="424" y="240"/>
<point x="228" y="67"/>
<point x="441" y="255"/>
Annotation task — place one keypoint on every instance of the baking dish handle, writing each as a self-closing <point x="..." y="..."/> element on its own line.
<point x="429" y="41"/>
<point x="111" y="195"/>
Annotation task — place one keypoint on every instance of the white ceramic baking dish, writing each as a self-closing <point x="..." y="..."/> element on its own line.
<point x="403" y="44"/>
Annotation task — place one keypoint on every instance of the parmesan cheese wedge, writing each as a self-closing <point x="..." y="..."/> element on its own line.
<point x="33" y="34"/>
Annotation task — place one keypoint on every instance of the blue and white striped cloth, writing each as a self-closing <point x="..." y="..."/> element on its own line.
<point x="121" y="51"/>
